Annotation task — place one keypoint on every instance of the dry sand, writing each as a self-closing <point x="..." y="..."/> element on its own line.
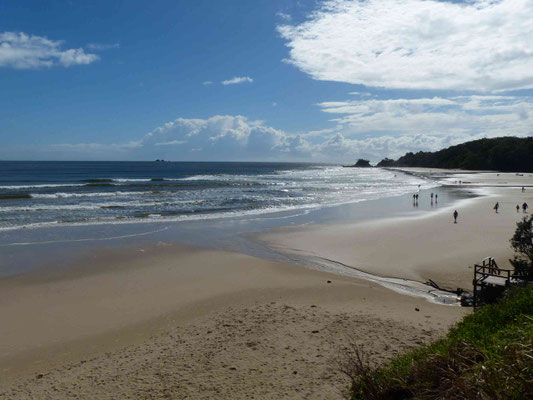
<point x="181" y="323"/>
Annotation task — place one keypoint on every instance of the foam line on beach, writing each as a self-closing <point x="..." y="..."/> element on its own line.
<point x="85" y="239"/>
<point x="403" y="286"/>
<point x="89" y="194"/>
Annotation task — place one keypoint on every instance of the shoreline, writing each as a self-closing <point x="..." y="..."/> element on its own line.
<point x="170" y="205"/>
<point x="413" y="242"/>
<point x="25" y="250"/>
<point x="186" y="321"/>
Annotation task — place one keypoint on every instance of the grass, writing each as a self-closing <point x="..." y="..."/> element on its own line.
<point x="488" y="355"/>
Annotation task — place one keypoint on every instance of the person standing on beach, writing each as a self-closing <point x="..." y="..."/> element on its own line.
<point x="524" y="207"/>
<point x="455" y="215"/>
<point x="517" y="208"/>
<point x="496" y="206"/>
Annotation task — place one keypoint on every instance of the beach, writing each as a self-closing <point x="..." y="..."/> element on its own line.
<point x="266" y="200"/>
<point x="420" y="248"/>
<point x="196" y="323"/>
<point x="174" y="321"/>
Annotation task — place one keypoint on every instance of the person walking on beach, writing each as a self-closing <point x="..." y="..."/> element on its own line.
<point x="524" y="207"/>
<point x="436" y="198"/>
<point x="455" y="215"/>
<point x="523" y="189"/>
<point x="496" y="206"/>
<point x="517" y="208"/>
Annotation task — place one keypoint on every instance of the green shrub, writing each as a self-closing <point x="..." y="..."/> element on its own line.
<point x="488" y="355"/>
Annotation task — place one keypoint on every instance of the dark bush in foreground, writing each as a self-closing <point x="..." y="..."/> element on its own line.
<point x="522" y="243"/>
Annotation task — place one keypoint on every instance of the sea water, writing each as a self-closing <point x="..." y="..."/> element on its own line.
<point x="40" y="194"/>
<point x="55" y="214"/>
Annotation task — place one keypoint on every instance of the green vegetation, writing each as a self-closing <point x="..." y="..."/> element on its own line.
<point x="507" y="154"/>
<point x="522" y="243"/>
<point x="361" y="163"/>
<point x="386" y="162"/>
<point x="488" y="355"/>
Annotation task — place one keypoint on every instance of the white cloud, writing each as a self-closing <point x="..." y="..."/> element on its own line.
<point x="482" y="45"/>
<point x="284" y="16"/>
<point x="229" y="137"/>
<point x="207" y="83"/>
<point x="22" y="51"/>
<point x="219" y="137"/>
<point x="171" y="143"/>
<point x="403" y="125"/>
<point x="103" y="46"/>
<point x="364" y="94"/>
<point x="376" y="148"/>
<point x="237" y="80"/>
<point x="489" y="115"/>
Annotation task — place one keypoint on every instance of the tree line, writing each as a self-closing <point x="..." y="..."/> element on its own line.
<point x="506" y="154"/>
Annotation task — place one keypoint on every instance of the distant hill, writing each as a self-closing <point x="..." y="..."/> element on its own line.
<point x="361" y="163"/>
<point x="507" y="154"/>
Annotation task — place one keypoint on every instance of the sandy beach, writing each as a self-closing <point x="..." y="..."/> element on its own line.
<point x="430" y="246"/>
<point x="178" y="322"/>
<point x="190" y="323"/>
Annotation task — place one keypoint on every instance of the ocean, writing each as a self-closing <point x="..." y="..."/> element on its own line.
<point x="47" y="194"/>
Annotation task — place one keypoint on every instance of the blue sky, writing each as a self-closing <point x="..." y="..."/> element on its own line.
<point x="304" y="80"/>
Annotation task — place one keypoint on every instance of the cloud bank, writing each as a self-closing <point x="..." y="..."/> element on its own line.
<point x="224" y="137"/>
<point x="488" y="115"/>
<point x="22" y="51"/>
<point x="391" y="128"/>
<point x="482" y="45"/>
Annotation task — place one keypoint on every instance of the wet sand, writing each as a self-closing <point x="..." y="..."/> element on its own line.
<point x="423" y="247"/>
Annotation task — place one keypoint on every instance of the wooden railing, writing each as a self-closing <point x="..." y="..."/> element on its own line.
<point x="489" y="268"/>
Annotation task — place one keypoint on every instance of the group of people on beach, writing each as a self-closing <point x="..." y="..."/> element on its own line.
<point x="496" y="207"/>
<point x="455" y="214"/>
<point x="433" y="196"/>
<point x="524" y="207"/>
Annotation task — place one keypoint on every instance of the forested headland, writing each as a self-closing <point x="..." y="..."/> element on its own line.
<point x="506" y="154"/>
